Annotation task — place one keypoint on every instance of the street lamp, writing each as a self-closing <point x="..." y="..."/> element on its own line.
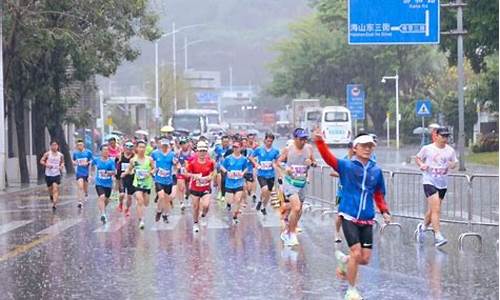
<point x="398" y="117"/>
<point x="172" y="33"/>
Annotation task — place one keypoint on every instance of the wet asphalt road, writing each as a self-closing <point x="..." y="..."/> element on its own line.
<point x="71" y="255"/>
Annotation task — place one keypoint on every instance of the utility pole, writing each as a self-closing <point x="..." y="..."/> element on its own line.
<point x="459" y="32"/>
<point x="185" y="68"/>
<point x="174" y="66"/>
<point x="2" y="112"/>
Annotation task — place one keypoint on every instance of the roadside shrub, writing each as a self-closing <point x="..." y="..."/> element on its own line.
<point x="487" y="143"/>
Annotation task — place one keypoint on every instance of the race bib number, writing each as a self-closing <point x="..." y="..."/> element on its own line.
<point x="125" y="166"/>
<point x="104" y="174"/>
<point x="437" y="172"/>
<point x="299" y="171"/>
<point x="163" y="173"/>
<point x="82" y="162"/>
<point x="141" y="174"/>
<point x="202" y="182"/>
<point x="235" y="174"/>
<point x="266" y="165"/>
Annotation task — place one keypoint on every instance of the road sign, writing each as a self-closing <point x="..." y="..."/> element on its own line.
<point x="356" y="101"/>
<point x="207" y="97"/>
<point x="393" y="22"/>
<point x="424" y="108"/>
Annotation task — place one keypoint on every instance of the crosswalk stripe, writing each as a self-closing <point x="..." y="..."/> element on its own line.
<point x="13" y="225"/>
<point x="214" y="222"/>
<point x="161" y="226"/>
<point x="42" y="205"/>
<point x="112" y="226"/>
<point x="60" y="226"/>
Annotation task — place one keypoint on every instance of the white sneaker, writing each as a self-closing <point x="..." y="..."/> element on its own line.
<point x="293" y="240"/>
<point x="440" y="240"/>
<point x="183" y="206"/>
<point x="284" y="237"/>
<point x="419" y="233"/>
<point x="141" y="225"/>
<point x="80" y="204"/>
<point x="352" y="294"/>
<point x="203" y="221"/>
<point x="341" y="261"/>
<point x="196" y="228"/>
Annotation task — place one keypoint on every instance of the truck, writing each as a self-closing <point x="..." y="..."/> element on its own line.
<point x="299" y="110"/>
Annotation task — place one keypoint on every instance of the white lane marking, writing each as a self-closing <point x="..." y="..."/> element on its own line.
<point x="112" y="225"/>
<point x="43" y="205"/>
<point x="160" y="225"/>
<point x="60" y="226"/>
<point x="13" y="225"/>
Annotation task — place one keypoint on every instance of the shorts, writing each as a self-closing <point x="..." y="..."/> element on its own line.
<point x="102" y="190"/>
<point x="167" y="188"/>
<point x="200" y="193"/>
<point x="248" y="177"/>
<point x="263" y="181"/>
<point x="235" y="190"/>
<point x="50" y="180"/>
<point x="146" y="191"/>
<point x="358" y="233"/>
<point x="290" y="190"/>
<point x="85" y="178"/>
<point x="430" y="190"/>
<point x="127" y="186"/>
<point x="179" y="177"/>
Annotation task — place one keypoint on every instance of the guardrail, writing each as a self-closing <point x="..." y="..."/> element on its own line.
<point x="470" y="200"/>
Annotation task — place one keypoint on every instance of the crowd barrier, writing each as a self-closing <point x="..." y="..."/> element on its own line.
<point x="470" y="199"/>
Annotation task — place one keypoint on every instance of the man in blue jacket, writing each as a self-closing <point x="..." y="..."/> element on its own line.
<point x="362" y="184"/>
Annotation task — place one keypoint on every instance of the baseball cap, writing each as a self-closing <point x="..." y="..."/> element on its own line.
<point x="434" y="126"/>
<point x="364" y="139"/>
<point x="300" y="133"/>
<point x="129" y="145"/>
<point x="443" y="131"/>
<point x="164" y="142"/>
<point x="202" y="146"/>
<point x="183" y="140"/>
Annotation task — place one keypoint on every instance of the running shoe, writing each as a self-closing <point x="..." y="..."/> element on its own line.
<point x="284" y="237"/>
<point x="440" y="240"/>
<point x="80" y="204"/>
<point x="223" y="198"/>
<point x="341" y="261"/>
<point x="158" y="216"/>
<point x="196" y="228"/>
<point x="127" y="212"/>
<point x="254" y="198"/>
<point x="352" y="294"/>
<point x="165" y="219"/>
<point x="219" y="196"/>
<point x="419" y="233"/>
<point x="203" y="221"/>
<point x="293" y="240"/>
<point x="263" y="211"/>
<point x="183" y="206"/>
<point x="120" y="207"/>
<point x="337" y="237"/>
<point x="259" y="204"/>
<point x="141" y="224"/>
<point x="54" y="208"/>
<point x="236" y="220"/>
<point x="104" y="219"/>
<point x="228" y="207"/>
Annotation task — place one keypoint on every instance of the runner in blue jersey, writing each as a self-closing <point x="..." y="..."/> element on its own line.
<point x="264" y="159"/>
<point x="82" y="158"/>
<point x="165" y="166"/>
<point x="219" y="152"/>
<point x="249" y="175"/>
<point x="234" y="167"/>
<point x="105" y="171"/>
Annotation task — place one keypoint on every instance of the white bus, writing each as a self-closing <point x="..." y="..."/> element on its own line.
<point x="336" y="125"/>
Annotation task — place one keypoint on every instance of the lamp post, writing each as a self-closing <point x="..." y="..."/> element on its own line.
<point x="398" y="117"/>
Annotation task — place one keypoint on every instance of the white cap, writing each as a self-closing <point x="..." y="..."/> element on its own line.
<point x="434" y="126"/>
<point x="202" y="145"/>
<point x="364" y="139"/>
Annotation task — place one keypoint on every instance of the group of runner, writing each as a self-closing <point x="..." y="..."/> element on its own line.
<point x="180" y="168"/>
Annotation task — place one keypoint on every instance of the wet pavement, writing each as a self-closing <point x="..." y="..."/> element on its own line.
<point x="70" y="254"/>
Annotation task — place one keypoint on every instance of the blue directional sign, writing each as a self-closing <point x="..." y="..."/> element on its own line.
<point x="424" y="108"/>
<point x="393" y="22"/>
<point x="207" y="97"/>
<point x="356" y="101"/>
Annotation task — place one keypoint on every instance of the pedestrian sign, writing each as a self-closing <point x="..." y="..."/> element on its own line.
<point x="424" y="108"/>
<point x="356" y="101"/>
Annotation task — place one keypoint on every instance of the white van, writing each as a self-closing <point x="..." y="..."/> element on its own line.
<point x="336" y="125"/>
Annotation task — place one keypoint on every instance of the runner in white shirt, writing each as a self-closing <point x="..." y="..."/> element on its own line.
<point x="53" y="161"/>
<point x="435" y="160"/>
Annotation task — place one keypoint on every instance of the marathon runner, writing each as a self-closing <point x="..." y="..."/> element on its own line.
<point x="82" y="158"/>
<point x="234" y="167"/>
<point x="298" y="157"/>
<point x="250" y="185"/>
<point x="126" y="180"/>
<point x="264" y="159"/>
<point x="53" y="161"/>
<point x="165" y="165"/>
<point x="105" y="170"/>
<point x="357" y="209"/>
<point x="435" y="160"/>
<point x="219" y="151"/>
<point x="201" y="172"/>
<point x="184" y="155"/>
<point x="142" y="167"/>
<point x="114" y="153"/>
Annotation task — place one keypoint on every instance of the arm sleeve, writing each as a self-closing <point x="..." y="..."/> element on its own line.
<point x="421" y="154"/>
<point x="378" y="196"/>
<point x="328" y="156"/>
